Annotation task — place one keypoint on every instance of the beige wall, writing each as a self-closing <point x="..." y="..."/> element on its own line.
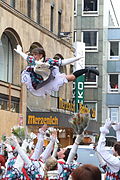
<point x="27" y="32"/>
<point x="7" y="121"/>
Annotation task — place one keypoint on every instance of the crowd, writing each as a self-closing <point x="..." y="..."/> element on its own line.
<point x="22" y="160"/>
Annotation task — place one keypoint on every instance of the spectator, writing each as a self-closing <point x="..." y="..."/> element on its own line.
<point x="87" y="171"/>
<point x="110" y="163"/>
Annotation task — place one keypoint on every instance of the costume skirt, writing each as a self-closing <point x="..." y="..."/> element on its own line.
<point x="52" y="85"/>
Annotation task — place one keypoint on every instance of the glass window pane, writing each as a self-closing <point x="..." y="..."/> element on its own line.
<point x="113" y="114"/>
<point x="6" y="59"/>
<point x="90" y="38"/>
<point x="29" y="8"/>
<point x="114" y="48"/>
<point x="38" y="11"/>
<point x="90" y="77"/>
<point x="90" y="5"/>
<point x="92" y="107"/>
<point x="113" y="81"/>
<point x="12" y="3"/>
<point x="51" y="18"/>
<point x="59" y="22"/>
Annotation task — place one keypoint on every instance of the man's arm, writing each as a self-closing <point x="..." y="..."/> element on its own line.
<point x="112" y="161"/>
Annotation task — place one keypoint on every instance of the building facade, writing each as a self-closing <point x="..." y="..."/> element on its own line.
<point x="91" y="22"/>
<point x="113" y="72"/>
<point x="32" y="23"/>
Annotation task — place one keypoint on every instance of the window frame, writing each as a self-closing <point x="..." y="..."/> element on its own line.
<point x="113" y="90"/>
<point x="75" y="7"/>
<point x="52" y="17"/>
<point x="29" y="8"/>
<point x="12" y="105"/>
<point x="12" y="3"/>
<point x="9" y="60"/>
<point x="115" y="58"/>
<point x="90" y="102"/>
<point x="90" y="13"/>
<point x="90" y="48"/>
<point x="109" y="115"/>
<point x="59" y="21"/>
<point x="38" y="11"/>
<point x="74" y="35"/>
<point x="91" y="84"/>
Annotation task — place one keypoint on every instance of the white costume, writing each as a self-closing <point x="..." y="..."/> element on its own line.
<point x="54" y="82"/>
<point x="112" y="163"/>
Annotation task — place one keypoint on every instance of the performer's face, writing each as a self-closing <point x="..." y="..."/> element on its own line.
<point x="60" y="154"/>
<point x="38" y="56"/>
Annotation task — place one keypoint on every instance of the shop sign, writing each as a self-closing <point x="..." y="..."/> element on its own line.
<point x="35" y="120"/>
<point x="49" y="118"/>
<point x="78" y="92"/>
<point x="63" y="104"/>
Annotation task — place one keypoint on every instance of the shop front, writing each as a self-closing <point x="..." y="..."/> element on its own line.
<point x="58" y="120"/>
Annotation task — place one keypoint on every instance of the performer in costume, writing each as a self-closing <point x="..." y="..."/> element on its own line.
<point x="109" y="162"/>
<point x="42" y="76"/>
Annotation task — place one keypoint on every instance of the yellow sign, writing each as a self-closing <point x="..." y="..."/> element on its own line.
<point x="32" y="119"/>
<point x="66" y="105"/>
<point x="83" y="109"/>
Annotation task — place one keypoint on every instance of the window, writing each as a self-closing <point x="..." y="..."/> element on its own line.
<point x="90" y="79"/>
<point x="38" y="11"/>
<point x="5" y="104"/>
<point x="74" y="36"/>
<point x="114" y="50"/>
<point x="90" y="38"/>
<point x="92" y="106"/>
<point x="75" y="7"/>
<point x="6" y="59"/>
<point x="12" y="3"/>
<point x="113" y="82"/>
<point x="90" y="7"/>
<point x="51" y="18"/>
<point x="29" y="8"/>
<point x="59" y="22"/>
<point x="114" y="114"/>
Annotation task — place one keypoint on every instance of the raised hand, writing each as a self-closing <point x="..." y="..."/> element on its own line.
<point x="108" y="124"/>
<point x="12" y="141"/>
<point x="116" y="126"/>
<point x="19" y="49"/>
<point x="106" y="127"/>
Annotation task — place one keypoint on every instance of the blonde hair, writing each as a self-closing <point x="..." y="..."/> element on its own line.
<point x="50" y="165"/>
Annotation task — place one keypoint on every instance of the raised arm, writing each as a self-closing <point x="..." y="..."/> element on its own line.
<point x="112" y="161"/>
<point x="13" y="141"/>
<point x="19" y="161"/>
<point x="39" y="146"/>
<point x="74" y="148"/>
<point x="47" y="152"/>
<point x="116" y="127"/>
<point x="19" y="51"/>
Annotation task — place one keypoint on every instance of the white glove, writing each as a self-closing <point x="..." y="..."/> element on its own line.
<point x="116" y="127"/>
<point x="42" y="131"/>
<point x="25" y="144"/>
<point x="9" y="148"/>
<point x="13" y="141"/>
<point x="79" y="138"/>
<point x="104" y="130"/>
<point x="108" y="123"/>
<point x="19" y="51"/>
